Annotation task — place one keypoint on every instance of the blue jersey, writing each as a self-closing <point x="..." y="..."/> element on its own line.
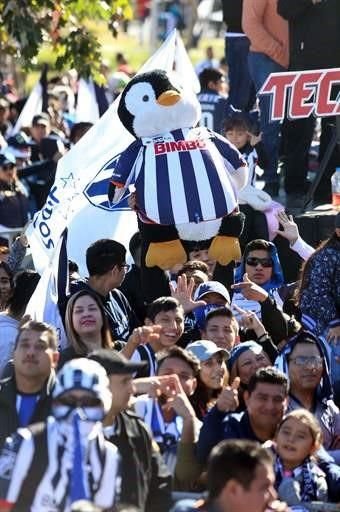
<point x="214" y="110"/>
<point x="182" y="176"/>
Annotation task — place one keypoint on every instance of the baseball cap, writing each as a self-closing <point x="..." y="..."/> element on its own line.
<point x="211" y="287"/>
<point x="205" y="349"/>
<point x="84" y="374"/>
<point x="235" y="353"/>
<point x="41" y="119"/>
<point x="19" y="145"/>
<point x="7" y="158"/>
<point x="115" y="363"/>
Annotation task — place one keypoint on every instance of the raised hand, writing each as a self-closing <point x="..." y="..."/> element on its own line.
<point x="290" y="230"/>
<point x="228" y="398"/>
<point x="183" y="293"/>
<point x="250" y="290"/>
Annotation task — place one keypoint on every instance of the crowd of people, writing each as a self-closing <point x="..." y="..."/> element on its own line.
<point x="210" y="380"/>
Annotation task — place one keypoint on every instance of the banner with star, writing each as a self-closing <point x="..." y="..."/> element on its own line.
<point x="78" y="197"/>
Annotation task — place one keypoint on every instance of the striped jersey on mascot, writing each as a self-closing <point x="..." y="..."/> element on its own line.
<point x="186" y="179"/>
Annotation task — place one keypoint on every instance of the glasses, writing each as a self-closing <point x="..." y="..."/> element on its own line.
<point x="264" y="262"/>
<point x="315" y="361"/>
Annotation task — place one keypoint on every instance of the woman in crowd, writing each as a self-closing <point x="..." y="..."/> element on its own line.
<point x="245" y="359"/>
<point x="213" y="375"/>
<point x="86" y="326"/>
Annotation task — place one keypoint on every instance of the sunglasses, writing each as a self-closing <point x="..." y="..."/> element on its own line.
<point x="264" y="262"/>
<point x="85" y="401"/>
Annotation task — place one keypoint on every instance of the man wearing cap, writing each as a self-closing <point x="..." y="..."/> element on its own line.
<point x="13" y="197"/>
<point x="41" y="127"/>
<point x="146" y="482"/>
<point x="20" y="146"/>
<point x="50" y="466"/>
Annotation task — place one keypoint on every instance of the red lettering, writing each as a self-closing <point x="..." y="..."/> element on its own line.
<point x="177" y="146"/>
<point x="302" y="91"/>
<point x="159" y="148"/>
<point x="324" y="105"/>
<point x="277" y="85"/>
<point x="190" y="144"/>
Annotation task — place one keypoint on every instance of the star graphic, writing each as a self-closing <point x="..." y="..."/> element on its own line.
<point x="68" y="181"/>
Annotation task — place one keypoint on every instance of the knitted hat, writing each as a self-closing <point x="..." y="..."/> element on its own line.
<point x="240" y="349"/>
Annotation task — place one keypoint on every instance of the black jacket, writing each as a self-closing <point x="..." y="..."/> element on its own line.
<point x="314" y="32"/>
<point x="146" y="481"/>
<point x="9" y="421"/>
<point x="232" y="15"/>
<point x="131" y="287"/>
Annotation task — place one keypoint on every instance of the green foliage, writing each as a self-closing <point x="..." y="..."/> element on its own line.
<point x="27" y="25"/>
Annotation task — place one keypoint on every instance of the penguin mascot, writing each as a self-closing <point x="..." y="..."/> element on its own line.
<point x="186" y="179"/>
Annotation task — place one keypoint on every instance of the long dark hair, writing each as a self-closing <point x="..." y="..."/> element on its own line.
<point x="73" y="337"/>
<point x="202" y="397"/>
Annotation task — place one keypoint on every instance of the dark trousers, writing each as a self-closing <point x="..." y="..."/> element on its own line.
<point x="242" y="93"/>
<point x="296" y="140"/>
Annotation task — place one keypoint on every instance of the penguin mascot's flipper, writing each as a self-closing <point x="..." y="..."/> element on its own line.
<point x="186" y="179"/>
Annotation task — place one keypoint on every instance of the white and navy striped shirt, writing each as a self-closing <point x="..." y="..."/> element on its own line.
<point x="51" y="495"/>
<point x="182" y="176"/>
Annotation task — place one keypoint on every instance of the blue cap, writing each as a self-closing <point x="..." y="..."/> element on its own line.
<point x="205" y="349"/>
<point x="240" y="349"/>
<point x="211" y="287"/>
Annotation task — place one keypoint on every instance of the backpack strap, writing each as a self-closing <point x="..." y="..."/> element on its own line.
<point x="37" y="468"/>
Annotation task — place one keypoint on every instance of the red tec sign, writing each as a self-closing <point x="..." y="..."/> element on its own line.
<point x="302" y="93"/>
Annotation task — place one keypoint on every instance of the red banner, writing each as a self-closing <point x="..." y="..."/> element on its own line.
<point x="298" y="94"/>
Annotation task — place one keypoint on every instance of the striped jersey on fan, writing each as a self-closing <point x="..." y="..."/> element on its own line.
<point x="51" y="494"/>
<point x="182" y="176"/>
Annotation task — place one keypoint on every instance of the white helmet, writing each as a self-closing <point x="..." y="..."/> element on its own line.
<point x="82" y="373"/>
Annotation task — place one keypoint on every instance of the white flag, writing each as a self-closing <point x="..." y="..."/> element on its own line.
<point x="34" y="104"/>
<point x="78" y="198"/>
<point x="52" y="287"/>
<point x="87" y="108"/>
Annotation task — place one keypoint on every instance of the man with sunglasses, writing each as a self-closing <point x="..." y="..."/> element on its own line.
<point x="259" y="287"/>
<point x="51" y="465"/>
<point x="13" y="198"/>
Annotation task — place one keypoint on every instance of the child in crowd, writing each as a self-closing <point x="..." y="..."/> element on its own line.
<point x="221" y="327"/>
<point x="298" y="478"/>
<point x="164" y="325"/>
<point x="256" y="204"/>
